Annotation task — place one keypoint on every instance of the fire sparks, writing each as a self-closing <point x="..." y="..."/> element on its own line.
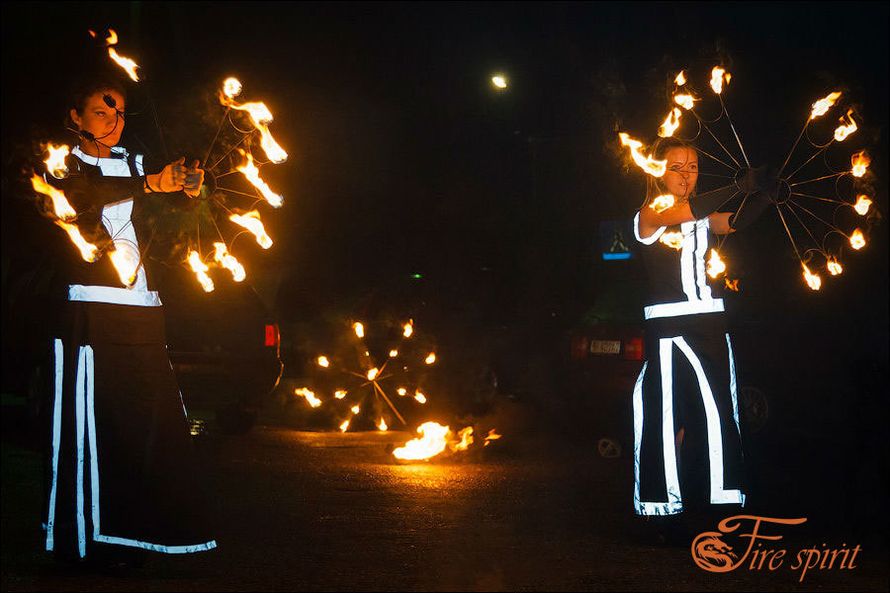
<point x="251" y="221"/>
<point x="61" y="207"/>
<point x="673" y="239"/>
<point x="715" y="264"/>
<point x="231" y="87"/>
<point x="845" y="129"/>
<point x="381" y="425"/>
<point x="860" y="162"/>
<point x="813" y="280"/>
<point x="88" y="251"/>
<point x="126" y="263"/>
<point x="359" y="329"/>
<point x="200" y="269"/>
<point x="681" y="78"/>
<point x="431" y="442"/>
<point x="430" y="358"/>
<point x="863" y="203"/>
<point x="55" y="162"/>
<point x="684" y="100"/>
<point x="857" y="240"/>
<point x="718" y="76"/>
<point x="225" y="259"/>
<point x="127" y="64"/>
<point x="323" y="361"/>
<point x="662" y="202"/>
<point x="421" y="398"/>
<point x="408" y="328"/>
<point x="252" y="173"/>
<point x="492" y="434"/>
<point x="834" y="267"/>
<point x="671" y="123"/>
<point x="822" y="106"/>
<point x="309" y="396"/>
<point x="650" y="165"/>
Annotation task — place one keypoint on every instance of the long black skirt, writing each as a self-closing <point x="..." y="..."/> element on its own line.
<point x="121" y="462"/>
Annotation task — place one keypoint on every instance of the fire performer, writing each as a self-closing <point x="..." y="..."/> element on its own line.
<point x="121" y="475"/>
<point x="686" y="392"/>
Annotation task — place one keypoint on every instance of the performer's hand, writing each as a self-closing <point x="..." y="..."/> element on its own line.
<point x="758" y="179"/>
<point x="170" y="179"/>
<point x="194" y="178"/>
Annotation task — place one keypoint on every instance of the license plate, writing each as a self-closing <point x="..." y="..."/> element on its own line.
<point x="605" y="346"/>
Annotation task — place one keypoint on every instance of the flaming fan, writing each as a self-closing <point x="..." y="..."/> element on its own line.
<point x="800" y="204"/>
<point x="365" y="384"/>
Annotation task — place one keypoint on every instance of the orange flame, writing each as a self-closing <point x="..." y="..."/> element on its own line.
<point x="671" y="123"/>
<point x="685" y="101"/>
<point x="393" y="353"/>
<point x="822" y="106"/>
<point x="402" y="391"/>
<point x="251" y="221"/>
<point x="127" y="64"/>
<point x="491" y="436"/>
<point x="340" y="394"/>
<point x="252" y="173"/>
<point x="863" y="203"/>
<point x="88" y="251"/>
<point x="732" y="285"/>
<point x="673" y="239"/>
<point x="420" y="397"/>
<point x="857" y="240"/>
<point x="834" y="267"/>
<point x="372" y="374"/>
<point x="844" y="130"/>
<point x="381" y="425"/>
<point x="260" y="117"/>
<point x="344" y="426"/>
<point x="430" y="358"/>
<point x="681" y="78"/>
<point x="355" y="409"/>
<point x="860" y="162"/>
<point x="323" y="361"/>
<point x="55" y="162"/>
<point x="651" y="166"/>
<point x="408" y="328"/>
<point x="715" y="264"/>
<point x="309" y="396"/>
<point x="228" y="261"/>
<point x="359" y="329"/>
<point x="662" y="202"/>
<point x="718" y="75"/>
<point x="126" y="262"/>
<point x="200" y="269"/>
<point x="466" y="439"/>
<point x="431" y="442"/>
<point x="813" y="280"/>
<point x="231" y="87"/>
<point x="61" y="206"/>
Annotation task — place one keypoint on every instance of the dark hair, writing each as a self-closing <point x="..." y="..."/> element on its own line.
<point x="87" y="88"/>
<point x="654" y="187"/>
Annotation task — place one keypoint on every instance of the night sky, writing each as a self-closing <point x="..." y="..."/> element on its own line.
<point x="403" y="160"/>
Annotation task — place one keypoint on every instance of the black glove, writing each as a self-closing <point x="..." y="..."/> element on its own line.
<point x="759" y="179"/>
<point x="751" y="209"/>
<point x="704" y="204"/>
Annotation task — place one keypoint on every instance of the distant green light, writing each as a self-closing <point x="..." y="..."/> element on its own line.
<point x="417" y="276"/>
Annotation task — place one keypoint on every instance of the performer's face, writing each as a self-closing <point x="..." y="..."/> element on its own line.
<point x="682" y="171"/>
<point x="101" y="120"/>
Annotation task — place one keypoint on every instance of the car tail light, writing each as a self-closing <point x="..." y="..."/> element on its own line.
<point x="272" y="335"/>
<point x="633" y="349"/>
<point x="579" y="347"/>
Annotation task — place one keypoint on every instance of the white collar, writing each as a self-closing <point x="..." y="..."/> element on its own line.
<point x="89" y="159"/>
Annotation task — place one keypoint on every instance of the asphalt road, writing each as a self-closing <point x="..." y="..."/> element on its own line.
<point x="330" y="511"/>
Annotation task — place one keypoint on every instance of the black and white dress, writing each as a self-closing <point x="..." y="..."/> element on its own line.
<point x="121" y="467"/>
<point x="688" y="378"/>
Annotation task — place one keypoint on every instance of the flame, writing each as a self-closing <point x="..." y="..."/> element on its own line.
<point x="126" y="262"/>
<point x="402" y="391"/>
<point x="355" y="409"/>
<point x="430" y="358"/>
<point x="863" y="203"/>
<point x="55" y="162"/>
<point x="344" y="426"/>
<point x="671" y="123"/>
<point x="408" y="328"/>
<point x="492" y="434"/>
<point x="860" y="162"/>
<point x="732" y="285"/>
<point x="662" y="202"/>
<point x="715" y="264"/>
<point x="231" y="87"/>
<point x="681" y="78"/>
<point x="260" y="117"/>
<point x="813" y="280"/>
<point x="228" y="261"/>
<point x="381" y="426"/>
<point x="651" y="166"/>
<point x="359" y="329"/>
<point x="127" y="64"/>
<point x="834" y="267"/>
<point x="200" y="269"/>
<point x="251" y="221"/>
<point x="309" y="395"/>
<point x="844" y="130"/>
<point x="466" y="439"/>
<point x="499" y="81"/>
<point x="372" y="374"/>
<point x="857" y="240"/>
<point x="252" y="173"/>
<point x="718" y="75"/>
<point x="61" y="206"/>
<point x="88" y="251"/>
<point x="685" y="101"/>
<point x="393" y="353"/>
<point x="673" y="239"/>
<point x="822" y="106"/>
<point x="431" y="442"/>
<point x="340" y="394"/>
<point x="420" y="397"/>
<point x="323" y="361"/>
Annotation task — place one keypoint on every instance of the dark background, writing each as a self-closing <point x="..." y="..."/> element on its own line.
<point x="404" y="161"/>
